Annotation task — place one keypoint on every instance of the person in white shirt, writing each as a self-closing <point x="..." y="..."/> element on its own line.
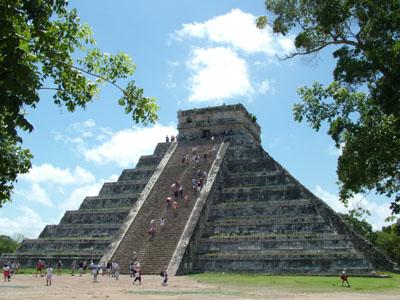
<point x="49" y="275"/>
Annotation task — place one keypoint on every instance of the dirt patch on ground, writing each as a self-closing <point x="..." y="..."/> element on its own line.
<point x="181" y="287"/>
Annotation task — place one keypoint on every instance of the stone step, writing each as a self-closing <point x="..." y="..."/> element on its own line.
<point x="288" y="265"/>
<point x="136" y="174"/>
<point x="278" y="179"/>
<point x="279" y="254"/>
<point x="299" y="219"/>
<point x="252" y="228"/>
<point x="120" y="188"/>
<point x="63" y="244"/>
<point x="228" y="238"/>
<point x="262" y="193"/>
<point x="161" y="148"/>
<point x="267" y="208"/>
<point x="60" y="253"/>
<point x="240" y="204"/>
<point x="211" y="246"/>
<point x="95" y="216"/>
<point x="148" y="161"/>
<point x="235" y="167"/>
<point x="96" y="202"/>
<point x="76" y="230"/>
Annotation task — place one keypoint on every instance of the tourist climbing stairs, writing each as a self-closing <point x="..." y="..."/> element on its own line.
<point x="155" y="253"/>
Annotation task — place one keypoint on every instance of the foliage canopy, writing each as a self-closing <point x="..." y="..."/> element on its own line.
<point x="45" y="47"/>
<point x="362" y="104"/>
<point x="7" y="244"/>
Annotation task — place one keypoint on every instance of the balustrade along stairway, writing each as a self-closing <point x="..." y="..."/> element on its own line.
<point x="135" y="243"/>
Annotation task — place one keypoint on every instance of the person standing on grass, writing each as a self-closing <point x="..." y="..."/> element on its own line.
<point x="38" y="268"/>
<point x="6" y="272"/>
<point x="84" y="266"/>
<point x="73" y="267"/>
<point x="80" y="268"/>
<point x="42" y="268"/>
<point x="344" y="278"/>
<point x="49" y="275"/>
<point x="59" y="268"/>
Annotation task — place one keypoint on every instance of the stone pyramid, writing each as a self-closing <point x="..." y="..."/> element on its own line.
<point x="250" y="216"/>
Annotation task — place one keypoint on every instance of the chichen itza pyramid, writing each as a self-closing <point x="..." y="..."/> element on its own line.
<point x="251" y="215"/>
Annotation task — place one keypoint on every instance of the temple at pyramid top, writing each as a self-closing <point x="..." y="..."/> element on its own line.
<point x="224" y="120"/>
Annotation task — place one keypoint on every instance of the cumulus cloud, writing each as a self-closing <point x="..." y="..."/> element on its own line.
<point x="379" y="211"/>
<point x="35" y="194"/>
<point x="124" y="147"/>
<point x="46" y="173"/>
<point x="78" y="195"/>
<point x="227" y="45"/>
<point x="266" y="87"/>
<point x="28" y="223"/>
<point x="104" y="146"/>
<point x="238" y="30"/>
<point x="217" y="74"/>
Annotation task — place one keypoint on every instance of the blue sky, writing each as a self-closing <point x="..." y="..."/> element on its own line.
<point x="188" y="54"/>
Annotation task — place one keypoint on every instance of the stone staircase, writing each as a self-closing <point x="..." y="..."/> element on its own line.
<point x="85" y="233"/>
<point x="262" y="220"/>
<point x="156" y="253"/>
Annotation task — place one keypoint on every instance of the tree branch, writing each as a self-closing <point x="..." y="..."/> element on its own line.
<point x="333" y="42"/>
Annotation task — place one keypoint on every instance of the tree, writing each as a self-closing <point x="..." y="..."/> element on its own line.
<point x="362" y="104"/>
<point x="360" y="225"/>
<point x="7" y="244"/>
<point x="43" y="46"/>
<point x="388" y="239"/>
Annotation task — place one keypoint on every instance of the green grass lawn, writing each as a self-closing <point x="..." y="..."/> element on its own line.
<point x="303" y="283"/>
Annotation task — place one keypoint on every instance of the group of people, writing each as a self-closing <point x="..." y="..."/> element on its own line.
<point x="170" y="139"/>
<point x="152" y="229"/>
<point x="9" y="269"/>
<point x="177" y="192"/>
<point x="110" y="268"/>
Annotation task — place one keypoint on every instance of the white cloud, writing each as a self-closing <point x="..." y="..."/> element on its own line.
<point x="265" y="87"/>
<point x="217" y="74"/>
<point x="238" y="30"/>
<point x="28" y="222"/>
<point x="173" y="63"/>
<point x="126" y="146"/>
<point x="46" y="173"/>
<point x="78" y="195"/>
<point x="379" y="211"/>
<point x="333" y="151"/>
<point x="35" y="194"/>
